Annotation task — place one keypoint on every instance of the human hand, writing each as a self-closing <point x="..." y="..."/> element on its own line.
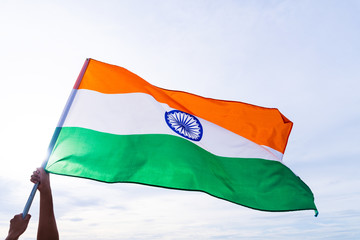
<point x="42" y="177"/>
<point x="18" y="226"/>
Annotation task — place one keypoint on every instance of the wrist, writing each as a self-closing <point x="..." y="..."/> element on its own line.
<point x="12" y="237"/>
<point x="45" y="189"/>
<point x="45" y="192"/>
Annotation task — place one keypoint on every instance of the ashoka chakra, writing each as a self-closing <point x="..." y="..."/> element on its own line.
<point x="184" y="124"/>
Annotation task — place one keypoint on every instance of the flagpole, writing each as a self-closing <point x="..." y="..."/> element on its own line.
<point x="56" y="133"/>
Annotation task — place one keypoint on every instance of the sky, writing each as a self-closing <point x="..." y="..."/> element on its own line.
<point x="301" y="57"/>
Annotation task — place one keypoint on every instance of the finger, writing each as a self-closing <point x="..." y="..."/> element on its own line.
<point x="35" y="176"/>
<point x="35" y="179"/>
<point x="27" y="217"/>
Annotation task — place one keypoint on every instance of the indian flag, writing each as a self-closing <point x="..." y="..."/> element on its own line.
<point x="117" y="127"/>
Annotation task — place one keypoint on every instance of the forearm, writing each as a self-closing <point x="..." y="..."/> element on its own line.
<point x="11" y="237"/>
<point x="47" y="225"/>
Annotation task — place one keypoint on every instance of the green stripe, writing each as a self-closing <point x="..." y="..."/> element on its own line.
<point x="173" y="162"/>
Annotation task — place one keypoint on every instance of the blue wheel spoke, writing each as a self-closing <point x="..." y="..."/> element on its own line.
<point x="184" y="124"/>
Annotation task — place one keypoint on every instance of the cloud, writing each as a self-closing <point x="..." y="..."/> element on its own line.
<point x="301" y="57"/>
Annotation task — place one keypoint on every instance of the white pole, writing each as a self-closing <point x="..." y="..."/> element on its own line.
<point x="56" y="133"/>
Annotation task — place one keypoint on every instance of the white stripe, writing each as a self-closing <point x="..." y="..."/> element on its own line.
<point x="278" y="154"/>
<point x="140" y="113"/>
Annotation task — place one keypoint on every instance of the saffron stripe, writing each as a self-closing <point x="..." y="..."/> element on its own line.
<point x="264" y="126"/>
